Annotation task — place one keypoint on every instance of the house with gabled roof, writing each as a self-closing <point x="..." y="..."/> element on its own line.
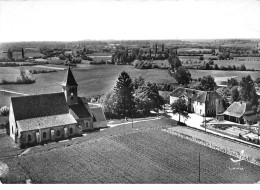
<point x="204" y="103"/>
<point x="242" y="113"/>
<point x="41" y="118"/>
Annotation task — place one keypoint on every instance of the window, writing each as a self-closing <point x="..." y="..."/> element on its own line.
<point x="71" y="130"/>
<point x="87" y="124"/>
<point x="208" y="111"/>
<point x="58" y="133"/>
<point x="29" y="138"/>
<point x="44" y="135"/>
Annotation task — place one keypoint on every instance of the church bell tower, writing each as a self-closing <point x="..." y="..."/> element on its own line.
<point x="69" y="87"/>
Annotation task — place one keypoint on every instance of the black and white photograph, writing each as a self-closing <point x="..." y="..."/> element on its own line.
<point x="130" y="92"/>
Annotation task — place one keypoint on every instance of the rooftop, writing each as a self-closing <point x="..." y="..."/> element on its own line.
<point x="41" y="105"/>
<point x="238" y="109"/>
<point x="45" y="122"/>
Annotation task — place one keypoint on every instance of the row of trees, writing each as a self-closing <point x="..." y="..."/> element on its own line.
<point x="128" y="56"/>
<point x="207" y="66"/>
<point x="131" y="98"/>
<point x="180" y="73"/>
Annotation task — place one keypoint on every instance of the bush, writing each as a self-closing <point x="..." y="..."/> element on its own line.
<point x="4" y="111"/>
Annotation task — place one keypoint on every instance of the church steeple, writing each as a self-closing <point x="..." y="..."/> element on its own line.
<point x="69" y="86"/>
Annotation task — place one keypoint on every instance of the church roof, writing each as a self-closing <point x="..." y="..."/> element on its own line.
<point x="69" y="79"/>
<point x="42" y="105"/>
<point x="45" y="122"/>
<point x="98" y="113"/>
<point x="79" y="110"/>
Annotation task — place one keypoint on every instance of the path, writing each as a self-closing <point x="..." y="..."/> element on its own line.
<point x="224" y="143"/>
<point x="113" y="125"/>
<point x="13" y="92"/>
<point x="48" y="67"/>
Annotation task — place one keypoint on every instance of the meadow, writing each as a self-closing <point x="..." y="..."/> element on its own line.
<point x="217" y="73"/>
<point x="96" y="80"/>
<point x="143" y="156"/>
<point x="92" y="79"/>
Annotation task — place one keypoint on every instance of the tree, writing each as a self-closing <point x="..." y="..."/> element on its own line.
<point x="174" y="61"/>
<point x="22" y="53"/>
<point x="109" y="104"/>
<point x="257" y="81"/>
<point x="207" y="83"/>
<point x="232" y="82"/>
<point x="211" y="62"/>
<point x="138" y="82"/>
<point x="10" y="54"/>
<point x="243" y="67"/>
<point x="248" y="92"/>
<point x="216" y="67"/>
<point x="124" y="92"/>
<point x="180" y="107"/>
<point x="207" y="66"/>
<point x="234" y="94"/>
<point x="154" y="96"/>
<point x="4" y="111"/>
<point x="147" y="98"/>
<point x="182" y="76"/>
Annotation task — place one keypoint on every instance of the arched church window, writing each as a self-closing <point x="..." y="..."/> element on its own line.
<point x="44" y="135"/>
<point x="29" y="138"/>
<point x="71" y="130"/>
<point x="58" y="133"/>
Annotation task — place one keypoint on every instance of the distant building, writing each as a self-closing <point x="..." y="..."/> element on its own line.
<point x="242" y="113"/>
<point x="42" y="118"/>
<point x="204" y="103"/>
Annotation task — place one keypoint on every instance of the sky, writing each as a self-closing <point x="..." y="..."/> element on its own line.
<point x="67" y="20"/>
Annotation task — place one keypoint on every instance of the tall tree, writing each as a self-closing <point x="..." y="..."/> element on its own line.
<point x="207" y="83"/>
<point x="124" y="92"/>
<point x="182" y="75"/>
<point x="180" y="106"/>
<point x="10" y="54"/>
<point x="174" y="61"/>
<point x="22" y="53"/>
<point x="248" y="92"/>
<point x="234" y="94"/>
<point x="154" y="96"/>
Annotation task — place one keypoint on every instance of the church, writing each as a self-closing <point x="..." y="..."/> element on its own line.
<point x="38" y="119"/>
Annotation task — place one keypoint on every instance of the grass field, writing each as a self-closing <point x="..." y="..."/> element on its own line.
<point x="145" y="154"/>
<point x="98" y="79"/>
<point x="92" y="79"/>
<point x="217" y="73"/>
<point x="149" y="156"/>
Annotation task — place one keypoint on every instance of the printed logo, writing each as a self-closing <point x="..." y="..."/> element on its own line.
<point x="236" y="163"/>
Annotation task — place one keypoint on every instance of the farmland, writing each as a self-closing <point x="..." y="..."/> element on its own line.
<point x="92" y="79"/>
<point x="150" y="156"/>
<point x="218" y="73"/>
<point x="98" y="79"/>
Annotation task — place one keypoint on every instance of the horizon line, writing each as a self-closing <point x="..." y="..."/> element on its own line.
<point x="86" y="40"/>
